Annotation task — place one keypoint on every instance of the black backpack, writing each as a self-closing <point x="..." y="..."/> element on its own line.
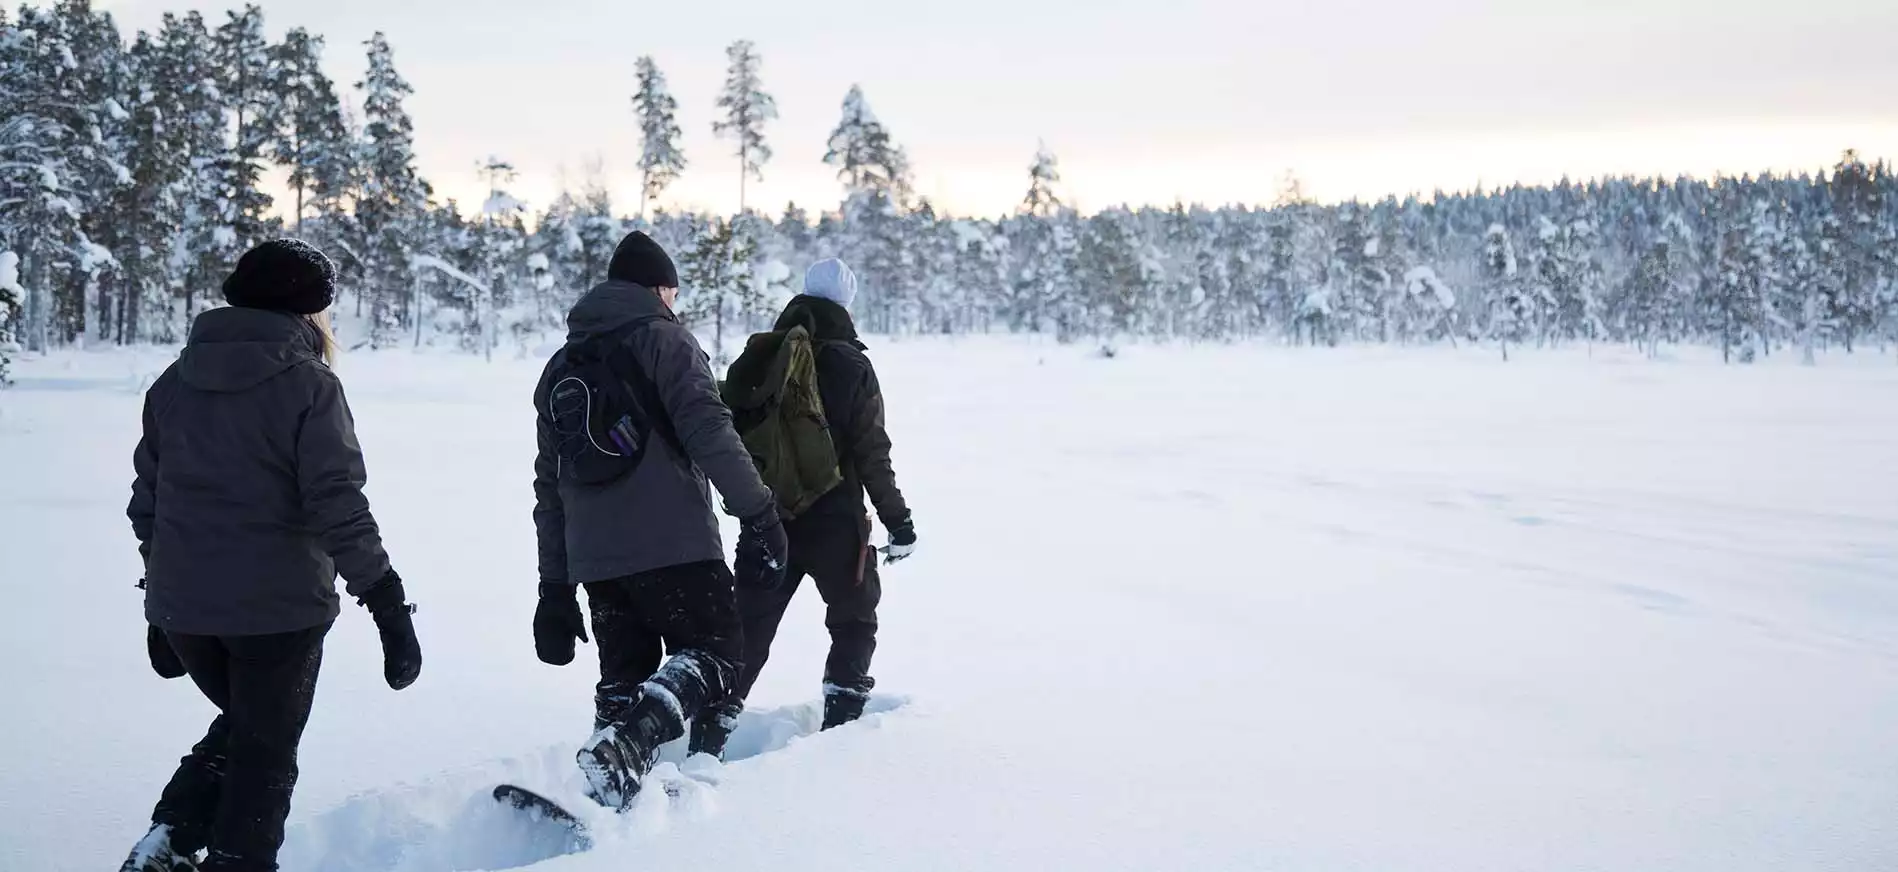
<point x="605" y="410"/>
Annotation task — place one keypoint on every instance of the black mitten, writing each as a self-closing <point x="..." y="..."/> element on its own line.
<point x="165" y="661"/>
<point x="557" y="623"/>
<point x="763" y="552"/>
<point x="401" y="651"/>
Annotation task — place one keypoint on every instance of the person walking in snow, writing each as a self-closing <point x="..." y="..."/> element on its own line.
<point x="247" y="504"/>
<point x="630" y="426"/>
<point x="830" y="540"/>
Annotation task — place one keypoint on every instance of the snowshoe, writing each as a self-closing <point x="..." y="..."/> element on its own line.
<point x="154" y="853"/>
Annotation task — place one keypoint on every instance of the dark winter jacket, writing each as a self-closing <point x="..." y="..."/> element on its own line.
<point x="661" y="514"/>
<point x="853" y="401"/>
<point x="248" y="500"/>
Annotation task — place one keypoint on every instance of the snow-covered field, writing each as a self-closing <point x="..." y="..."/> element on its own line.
<point x="1190" y="609"/>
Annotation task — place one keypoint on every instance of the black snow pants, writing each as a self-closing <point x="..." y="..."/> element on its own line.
<point x="232" y="793"/>
<point x="689" y="610"/>
<point x="834" y="551"/>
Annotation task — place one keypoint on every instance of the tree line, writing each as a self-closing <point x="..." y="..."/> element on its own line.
<point x="130" y="181"/>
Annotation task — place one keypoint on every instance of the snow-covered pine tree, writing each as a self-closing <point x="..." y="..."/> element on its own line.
<point x="10" y="293"/>
<point x="717" y="282"/>
<point x="1118" y="271"/>
<point x="796" y="231"/>
<point x="91" y="300"/>
<point x="12" y="76"/>
<point x="561" y="273"/>
<point x="204" y="248"/>
<point x="660" y="158"/>
<point x="392" y="198"/>
<point x="877" y="238"/>
<point x="1744" y="271"/>
<point x="246" y="82"/>
<point x="1043" y="174"/>
<point x="981" y="271"/>
<point x="1659" y="288"/>
<point x="45" y="135"/>
<point x="1851" y="255"/>
<point x="311" y="141"/>
<point x="1511" y="312"/>
<point x="1355" y="279"/>
<point x="600" y="231"/>
<point x="504" y="307"/>
<point x="746" y="108"/>
<point x="151" y="207"/>
<point x="867" y="160"/>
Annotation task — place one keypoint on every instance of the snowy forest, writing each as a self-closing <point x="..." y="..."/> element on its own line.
<point x="131" y="179"/>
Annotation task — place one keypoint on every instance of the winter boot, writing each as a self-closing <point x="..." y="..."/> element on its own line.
<point x="617" y="758"/>
<point x="712" y="728"/>
<point x="843" y="704"/>
<point x="221" y="862"/>
<point x="154" y="853"/>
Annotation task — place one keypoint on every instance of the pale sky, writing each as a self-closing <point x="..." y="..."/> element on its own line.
<point x="1144" y="102"/>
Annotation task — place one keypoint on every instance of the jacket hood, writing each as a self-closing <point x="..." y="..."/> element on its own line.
<point x="613" y="304"/>
<point x="235" y="349"/>
<point x="827" y="321"/>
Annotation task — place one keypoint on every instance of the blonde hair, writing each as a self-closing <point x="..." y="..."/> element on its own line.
<point x="321" y="321"/>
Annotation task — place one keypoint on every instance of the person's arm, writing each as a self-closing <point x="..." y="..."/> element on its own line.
<point x="689" y="393"/>
<point x="870" y="449"/>
<point x="331" y="475"/>
<point x="550" y="515"/>
<point x="143" y="509"/>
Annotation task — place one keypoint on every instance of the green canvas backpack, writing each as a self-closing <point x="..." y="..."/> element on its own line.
<point x="772" y="391"/>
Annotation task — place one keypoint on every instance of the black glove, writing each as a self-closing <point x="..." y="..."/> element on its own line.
<point x="902" y="542"/>
<point x="763" y="552"/>
<point x="557" y="623"/>
<point x="165" y="661"/>
<point x="401" y="651"/>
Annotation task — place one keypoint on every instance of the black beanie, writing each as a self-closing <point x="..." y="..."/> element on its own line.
<point x="641" y="261"/>
<point x="284" y="275"/>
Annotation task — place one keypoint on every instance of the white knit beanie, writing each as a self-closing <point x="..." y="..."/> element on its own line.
<point x="831" y="280"/>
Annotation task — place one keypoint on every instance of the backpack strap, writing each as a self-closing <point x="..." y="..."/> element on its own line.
<point x="619" y="358"/>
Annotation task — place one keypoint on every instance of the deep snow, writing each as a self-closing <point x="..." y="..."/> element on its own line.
<point x="1213" y="608"/>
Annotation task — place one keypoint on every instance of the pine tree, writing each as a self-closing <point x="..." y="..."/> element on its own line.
<point x="878" y="238"/>
<point x="1512" y="313"/>
<point x="868" y="162"/>
<point x="1851" y="255"/>
<point x="747" y="107"/>
<point x="561" y="273"/>
<point x="46" y="144"/>
<point x="244" y="58"/>
<point x="600" y="231"/>
<point x="393" y="196"/>
<point x="1043" y="175"/>
<point x="660" y="160"/>
<point x="718" y="283"/>
<point x="151" y="208"/>
<point x="204" y="247"/>
<point x="311" y="140"/>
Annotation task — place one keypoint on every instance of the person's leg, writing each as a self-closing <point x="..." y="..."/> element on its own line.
<point x="273" y="685"/>
<point x="844" y="569"/>
<point x="190" y="801"/>
<point x="629" y="652"/>
<point x="759" y="614"/>
<point x="694" y="609"/>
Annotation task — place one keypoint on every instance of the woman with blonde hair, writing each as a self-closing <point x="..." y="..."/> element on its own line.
<point x="247" y="505"/>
